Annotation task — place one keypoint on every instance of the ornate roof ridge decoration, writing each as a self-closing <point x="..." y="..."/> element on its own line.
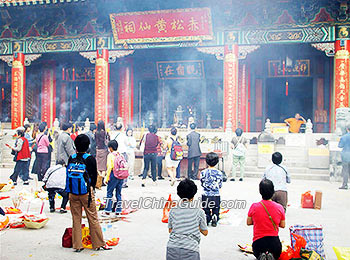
<point x="6" y="3"/>
<point x="27" y="62"/>
<point x="218" y="51"/>
<point x="327" y="47"/>
<point x="112" y="55"/>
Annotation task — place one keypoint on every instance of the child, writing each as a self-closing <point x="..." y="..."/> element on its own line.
<point x="55" y="182"/>
<point x="185" y="224"/>
<point x="211" y="180"/>
<point x="113" y="183"/>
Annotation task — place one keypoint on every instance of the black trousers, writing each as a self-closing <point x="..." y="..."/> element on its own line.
<point x="267" y="244"/>
<point x="193" y="174"/>
<point x="42" y="164"/>
<point x="150" y="159"/>
<point x="21" y="169"/>
<point x="52" y="194"/>
<point x="214" y="209"/>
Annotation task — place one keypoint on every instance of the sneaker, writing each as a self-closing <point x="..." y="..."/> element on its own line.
<point x="160" y="178"/>
<point x="269" y="256"/>
<point x="214" y="221"/>
<point x="125" y="186"/>
<point x="26" y="183"/>
<point x="143" y="185"/>
<point x="233" y="179"/>
<point x="14" y="183"/>
<point x="240" y="179"/>
<point x="105" y="214"/>
<point x="62" y="211"/>
<point x="52" y="210"/>
<point x="343" y="187"/>
<point x="262" y="256"/>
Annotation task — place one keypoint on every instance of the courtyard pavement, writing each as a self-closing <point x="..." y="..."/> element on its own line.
<point x="144" y="236"/>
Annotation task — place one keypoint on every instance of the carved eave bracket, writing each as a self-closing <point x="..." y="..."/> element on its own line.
<point x="112" y="55"/>
<point x="29" y="58"/>
<point x="243" y="51"/>
<point x="327" y="47"/>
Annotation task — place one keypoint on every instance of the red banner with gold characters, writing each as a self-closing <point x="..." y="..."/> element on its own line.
<point x="126" y="93"/>
<point x="242" y="97"/>
<point x="162" y="26"/>
<point x="341" y="79"/>
<point x="48" y="95"/>
<point x="230" y="84"/>
<point x="101" y="86"/>
<point x="18" y="90"/>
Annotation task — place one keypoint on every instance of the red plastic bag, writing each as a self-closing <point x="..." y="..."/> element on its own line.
<point x="166" y="210"/>
<point x="300" y="243"/>
<point x="113" y="242"/>
<point x="307" y="200"/>
<point x="288" y="254"/>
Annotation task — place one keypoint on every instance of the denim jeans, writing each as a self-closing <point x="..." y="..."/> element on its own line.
<point x="178" y="173"/>
<point x="214" y="209"/>
<point x="21" y="169"/>
<point x="160" y="165"/>
<point x="52" y="194"/>
<point x="117" y="185"/>
<point x="150" y="159"/>
<point x="193" y="174"/>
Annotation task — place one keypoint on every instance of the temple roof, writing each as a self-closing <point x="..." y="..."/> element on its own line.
<point x="5" y="3"/>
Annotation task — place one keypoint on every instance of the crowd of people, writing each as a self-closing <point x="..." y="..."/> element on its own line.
<point x="85" y="162"/>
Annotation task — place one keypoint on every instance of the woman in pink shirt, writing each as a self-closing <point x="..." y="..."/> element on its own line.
<point x="266" y="216"/>
<point x="42" y="142"/>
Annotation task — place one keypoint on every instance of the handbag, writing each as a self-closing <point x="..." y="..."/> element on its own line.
<point x="67" y="240"/>
<point x="35" y="148"/>
<point x="273" y="222"/>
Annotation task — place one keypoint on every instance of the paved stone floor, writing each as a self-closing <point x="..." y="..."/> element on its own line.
<point x="145" y="236"/>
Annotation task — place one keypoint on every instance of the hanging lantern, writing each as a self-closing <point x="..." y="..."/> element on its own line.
<point x="287" y="88"/>
<point x="76" y="92"/>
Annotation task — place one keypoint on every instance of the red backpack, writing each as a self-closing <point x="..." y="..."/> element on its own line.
<point x="121" y="167"/>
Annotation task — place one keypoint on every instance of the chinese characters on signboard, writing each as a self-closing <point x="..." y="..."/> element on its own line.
<point x="162" y="25"/>
<point x="180" y="69"/>
<point x="298" y="68"/>
<point x="101" y="90"/>
<point x="341" y="83"/>
<point x="18" y="95"/>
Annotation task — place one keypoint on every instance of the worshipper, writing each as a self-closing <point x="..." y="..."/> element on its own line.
<point x="42" y="153"/>
<point x="130" y="143"/>
<point x="113" y="183"/>
<point x="151" y="142"/>
<point x="186" y="223"/>
<point x="295" y="122"/>
<point x="345" y="157"/>
<point x="34" y="134"/>
<point x="55" y="182"/>
<point x="22" y="156"/>
<point x="28" y="136"/>
<point x="91" y="135"/>
<point x="65" y="144"/>
<point x="194" y="152"/>
<point x="171" y="165"/>
<point x="266" y="216"/>
<point x="102" y="138"/>
<point x="160" y="158"/>
<point x="120" y="137"/>
<point x="86" y="201"/>
<point x="279" y="176"/>
<point x="211" y="181"/>
<point x="238" y="144"/>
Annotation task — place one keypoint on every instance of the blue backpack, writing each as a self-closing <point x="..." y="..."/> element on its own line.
<point x="78" y="181"/>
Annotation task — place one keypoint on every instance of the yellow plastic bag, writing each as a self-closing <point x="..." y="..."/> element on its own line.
<point x="342" y="253"/>
<point x="86" y="239"/>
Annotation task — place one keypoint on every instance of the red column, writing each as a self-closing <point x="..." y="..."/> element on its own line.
<point x="341" y="75"/>
<point x="230" y="84"/>
<point x="18" y="90"/>
<point x="126" y="91"/>
<point x="48" y="94"/>
<point x="101" y="86"/>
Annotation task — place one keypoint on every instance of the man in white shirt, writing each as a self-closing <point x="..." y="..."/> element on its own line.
<point x="280" y="177"/>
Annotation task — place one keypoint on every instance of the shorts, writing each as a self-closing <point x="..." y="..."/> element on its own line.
<point x="174" y="253"/>
<point x="170" y="163"/>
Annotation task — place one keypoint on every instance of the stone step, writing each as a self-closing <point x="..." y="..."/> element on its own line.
<point x="318" y="177"/>
<point x="292" y="170"/>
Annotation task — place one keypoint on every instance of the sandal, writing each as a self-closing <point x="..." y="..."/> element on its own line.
<point x="105" y="247"/>
<point x="78" y="250"/>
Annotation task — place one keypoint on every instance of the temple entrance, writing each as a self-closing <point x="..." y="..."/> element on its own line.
<point x="283" y="102"/>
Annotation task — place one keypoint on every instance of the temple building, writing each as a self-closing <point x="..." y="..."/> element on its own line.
<point x="226" y="63"/>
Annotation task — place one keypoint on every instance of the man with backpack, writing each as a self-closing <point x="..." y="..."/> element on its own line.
<point x="117" y="172"/>
<point x="80" y="184"/>
<point x="173" y="155"/>
<point x="238" y="144"/>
